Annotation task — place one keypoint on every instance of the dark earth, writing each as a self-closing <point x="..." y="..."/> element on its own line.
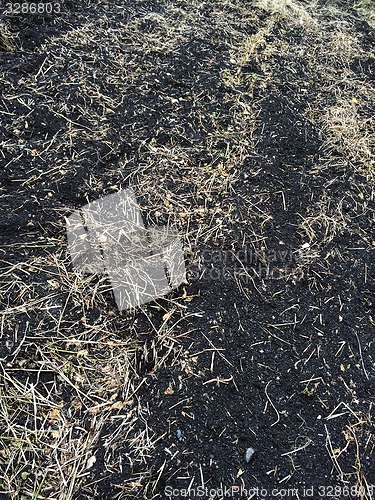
<point x="270" y="344"/>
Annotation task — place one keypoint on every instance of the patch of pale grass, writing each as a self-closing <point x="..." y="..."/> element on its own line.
<point x="347" y="132"/>
<point x="7" y="38"/>
<point x="342" y="46"/>
<point x="324" y="218"/>
<point x="367" y="9"/>
<point x="290" y="10"/>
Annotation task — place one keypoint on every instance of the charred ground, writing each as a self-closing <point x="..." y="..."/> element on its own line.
<point x="249" y="127"/>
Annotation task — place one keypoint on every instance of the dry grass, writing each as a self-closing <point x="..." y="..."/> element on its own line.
<point x="72" y="373"/>
<point x="7" y="38"/>
<point x="44" y="447"/>
<point x="367" y="9"/>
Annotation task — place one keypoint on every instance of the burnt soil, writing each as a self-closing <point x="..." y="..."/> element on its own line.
<point x="272" y="349"/>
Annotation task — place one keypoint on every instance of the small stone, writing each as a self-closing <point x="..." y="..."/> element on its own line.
<point x="249" y="453"/>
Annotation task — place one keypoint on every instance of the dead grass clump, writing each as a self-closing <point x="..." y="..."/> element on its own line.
<point x="7" y="38"/>
<point x="325" y="221"/>
<point x="290" y="11"/>
<point x="43" y="446"/>
<point x="347" y="132"/>
<point x="367" y="9"/>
